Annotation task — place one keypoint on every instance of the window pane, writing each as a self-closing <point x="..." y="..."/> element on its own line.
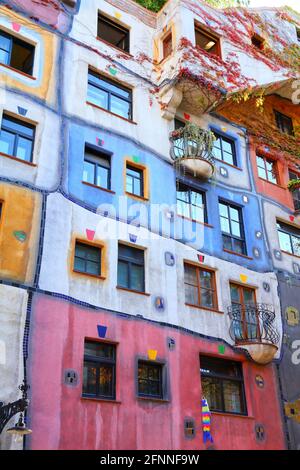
<point x="22" y="56"/>
<point x="207" y="299"/>
<point x="7" y="142"/>
<point x="89" y="378"/>
<point x="129" y="184"/>
<point x="191" y="294"/>
<point x="4" y="57"/>
<point x="89" y="172"/>
<point x="79" y="264"/>
<point x="249" y="296"/>
<point x="113" y="33"/>
<point x="102" y="177"/>
<point x="232" y="397"/>
<point x="206" y="278"/>
<point x="106" y="381"/>
<point x="238" y="246"/>
<point x="217" y="153"/>
<point x="227" y="146"/>
<point x="183" y="208"/>
<point x="137" y="277"/>
<point x="227" y="242"/>
<point x="24" y="149"/>
<point x="235" y="229"/>
<point x="120" y="107"/>
<point x="262" y="173"/>
<point x="225" y="227"/>
<point x="190" y="274"/>
<point x="211" y="390"/>
<point x="228" y="158"/>
<point x="98" y="349"/>
<point x="123" y="279"/>
<point x="234" y="214"/>
<point x="285" y="241"/>
<point x="92" y="268"/>
<point x="234" y="293"/>
<point x="18" y="127"/>
<point x="296" y="245"/>
<point x="4" y="42"/>
<point x="223" y="210"/>
<point x="97" y="96"/>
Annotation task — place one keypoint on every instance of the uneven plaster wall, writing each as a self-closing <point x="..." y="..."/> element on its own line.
<point x="13" y="304"/>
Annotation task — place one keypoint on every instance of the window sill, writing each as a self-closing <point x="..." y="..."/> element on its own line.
<point x="194" y="220"/>
<point x="18" y="71"/>
<point x="156" y="400"/>
<point x="114" y="47"/>
<point x="112" y="114"/>
<point x="231" y="415"/>
<point x="133" y="291"/>
<point x="94" y="276"/>
<point x="273" y="184"/>
<point x="228" y="164"/>
<point x="290" y="254"/>
<point x="139" y="198"/>
<point x="98" y="187"/>
<point x="101" y="400"/>
<point x="237" y="254"/>
<point x="18" y="159"/>
<point x="204" y="308"/>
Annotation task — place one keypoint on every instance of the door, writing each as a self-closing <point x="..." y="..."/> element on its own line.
<point x="245" y="314"/>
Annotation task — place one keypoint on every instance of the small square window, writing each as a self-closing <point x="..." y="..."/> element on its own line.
<point x="134" y="180"/>
<point x="167" y="45"/>
<point x="17" y="138"/>
<point x="87" y="259"/>
<point x="207" y="41"/>
<point x="96" y="168"/>
<point x="16" y="53"/>
<point x="284" y="123"/>
<point x="258" y="41"/>
<point x="99" y="370"/>
<point x="113" y="32"/>
<point x="150" y="380"/>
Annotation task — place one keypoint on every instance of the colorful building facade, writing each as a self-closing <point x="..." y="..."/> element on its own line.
<point x="148" y="241"/>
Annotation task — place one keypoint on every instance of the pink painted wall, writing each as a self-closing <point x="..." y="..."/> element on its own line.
<point x="61" y="419"/>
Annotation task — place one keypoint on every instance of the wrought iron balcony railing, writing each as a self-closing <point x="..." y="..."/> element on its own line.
<point x="253" y="323"/>
<point x="192" y="147"/>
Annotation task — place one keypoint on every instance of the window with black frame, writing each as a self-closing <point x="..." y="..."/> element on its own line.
<point x="109" y="95"/>
<point x="134" y="180"/>
<point x="284" y="123"/>
<point x="99" y="370"/>
<point x="112" y="32"/>
<point x="97" y="168"/>
<point x="224" y="149"/>
<point x="296" y="191"/>
<point x="289" y="238"/>
<point x="232" y="228"/>
<point x="150" y="380"/>
<point x="87" y="259"/>
<point x="191" y="203"/>
<point x="131" y="269"/>
<point x="17" y="138"/>
<point x="16" y="53"/>
<point x="223" y="385"/>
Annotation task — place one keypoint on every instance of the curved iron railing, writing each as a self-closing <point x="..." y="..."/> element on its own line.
<point x="253" y="322"/>
<point x="191" y="141"/>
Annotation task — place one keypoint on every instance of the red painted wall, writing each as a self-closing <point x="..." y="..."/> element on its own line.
<point x="61" y="419"/>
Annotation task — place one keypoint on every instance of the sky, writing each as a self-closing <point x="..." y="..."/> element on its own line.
<point x="295" y="4"/>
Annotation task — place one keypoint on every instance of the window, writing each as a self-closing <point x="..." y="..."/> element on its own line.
<point x="96" y="168"/>
<point x="224" y="149"/>
<point x="267" y="169"/>
<point x="200" y="287"/>
<point x="131" y="268"/>
<point x="109" y="95"/>
<point x="112" y="32"/>
<point x="223" y="385"/>
<point x="295" y="192"/>
<point x="99" y="370"/>
<point x="167" y="45"/>
<point x="258" y="41"/>
<point x="16" y="53"/>
<point x="178" y="124"/>
<point x="150" y="379"/>
<point x="232" y="228"/>
<point x="207" y="41"/>
<point x="191" y="203"/>
<point x="16" y="138"/>
<point x="134" y="180"/>
<point x="87" y="259"/>
<point x="289" y="238"/>
<point x="298" y="34"/>
<point x="245" y="318"/>
<point x="284" y="123"/>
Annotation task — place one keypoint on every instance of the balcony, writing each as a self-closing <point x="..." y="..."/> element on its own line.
<point x="191" y="150"/>
<point x="253" y="329"/>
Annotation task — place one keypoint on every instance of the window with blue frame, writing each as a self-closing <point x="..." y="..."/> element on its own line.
<point x="17" y="138"/>
<point x="289" y="238"/>
<point x="224" y="149"/>
<point x="191" y="203"/>
<point x="16" y="53"/>
<point x="131" y="268"/>
<point x="109" y="95"/>
<point x="97" y="168"/>
<point x="232" y="228"/>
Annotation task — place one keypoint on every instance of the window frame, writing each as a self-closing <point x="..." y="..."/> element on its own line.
<point x="278" y="119"/>
<point x="198" y="268"/>
<point x="116" y="26"/>
<point x="198" y="27"/>
<point x="145" y="179"/>
<point x="130" y="262"/>
<point x="104" y="89"/>
<point x="230" y="235"/>
<point x="18" y="134"/>
<point x="221" y="378"/>
<point x="244" y="322"/>
<point x="161" y="365"/>
<point x="275" y="166"/>
<point x="21" y="42"/>
<point x="232" y="143"/>
<point x="167" y="36"/>
<point x="100" y="247"/>
<point x="191" y="189"/>
<point x="97" y="154"/>
<point x="290" y="235"/>
<point x="101" y="361"/>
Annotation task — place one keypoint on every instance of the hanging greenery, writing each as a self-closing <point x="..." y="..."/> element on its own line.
<point x="293" y="184"/>
<point x="156" y="5"/>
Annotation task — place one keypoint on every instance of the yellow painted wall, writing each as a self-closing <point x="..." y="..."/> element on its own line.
<point x="21" y="209"/>
<point x="43" y="86"/>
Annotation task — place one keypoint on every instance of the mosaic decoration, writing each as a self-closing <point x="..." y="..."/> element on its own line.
<point x="16" y="27"/>
<point x="296" y="268"/>
<point x="169" y="258"/>
<point x="186" y="116"/>
<point x="20" y="235"/>
<point x="159" y="303"/>
<point x="152" y="354"/>
<point x="259" y="432"/>
<point x="221" y="349"/>
<point x="71" y="377"/>
<point x="224" y="129"/>
<point x="200" y="258"/>
<point x="112" y="71"/>
<point x="245" y="199"/>
<point x="99" y="141"/>
<point x="266" y="286"/>
<point x="135" y="159"/>
<point x="258" y="234"/>
<point x="90" y="234"/>
<point x="169" y="214"/>
<point x="117" y="15"/>
<point x="259" y="381"/>
<point x="277" y="254"/>
<point x="223" y="172"/>
<point x="292" y="316"/>
<point x="292" y="410"/>
<point x="256" y="253"/>
<point x="243" y="278"/>
<point x="292" y="218"/>
<point x="132" y="238"/>
<point x="171" y="344"/>
<point x="22" y="111"/>
<point x="101" y="331"/>
<point x="206" y="420"/>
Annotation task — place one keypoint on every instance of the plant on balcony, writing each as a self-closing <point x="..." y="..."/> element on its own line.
<point x="293" y="184"/>
<point x="192" y="141"/>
